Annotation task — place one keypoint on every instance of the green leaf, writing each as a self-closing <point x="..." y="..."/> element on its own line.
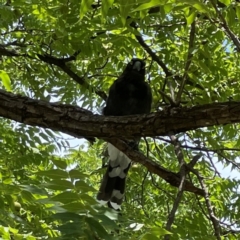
<point x="226" y="2"/>
<point x="155" y="233"/>
<point x="149" y="236"/>
<point x="71" y="228"/>
<point x="66" y="197"/>
<point x="27" y="196"/>
<point x="9" y="189"/>
<point x="97" y="227"/>
<point x="54" y="173"/>
<point x="108" y="221"/>
<point x="84" y="187"/>
<point x="90" y="200"/>
<point x="124" y="10"/>
<point x="5" y="80"/>
<point x="59" y="185"/>
<point x="85" y="6"/>
<point x="191" y="18"/>
<point x="151" y="4"/>
<point x="74" y="206"/>
<point x="204" y="66"/>
<point x="106" y="4"/>
<point x="65" y="217"/>
<point x="75" y="174"/>
<point x="196" y="4"/>
<point x="231" y="16"/>
<point x="238" y="11"/>
<point x="158" y="231"/>
<point x="33" y="189"/>
<point x="60" y="164"/>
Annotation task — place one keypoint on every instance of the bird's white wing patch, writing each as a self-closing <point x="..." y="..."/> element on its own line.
<point x="118" y="160"/>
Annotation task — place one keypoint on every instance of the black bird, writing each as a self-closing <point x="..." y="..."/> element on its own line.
<point x="128" y="95"/>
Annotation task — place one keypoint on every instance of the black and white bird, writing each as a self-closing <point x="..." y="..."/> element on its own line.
<point x="128" y="95"/>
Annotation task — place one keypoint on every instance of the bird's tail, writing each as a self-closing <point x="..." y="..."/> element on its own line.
<point x="113" y="183"/>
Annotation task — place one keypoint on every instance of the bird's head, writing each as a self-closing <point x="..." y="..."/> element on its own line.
<point x="137" y="65"/>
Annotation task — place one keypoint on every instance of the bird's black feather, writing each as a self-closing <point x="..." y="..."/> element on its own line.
<point x="128" y="95"/>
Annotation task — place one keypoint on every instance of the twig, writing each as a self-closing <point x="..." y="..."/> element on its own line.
<point x="161" y="189"/>
<point x="194" y="160"/>
<point x="159" y="26"/>
<point x="230" y="231"/>
<point x="213" y="165"/>
<point x="164" y="95"/>
<point x="102" y="75"/>
<point x="151" y="53"/>
<point x="142" y="193"/>
<point x="177" y="201"/>
<point x="188" y="62"/>
<point x="61" y="64"/>
<point x="224" y="24"/>
<point x="104" y="65"/>
<point x="213" y="218"/>
<point x="171" y="89"/>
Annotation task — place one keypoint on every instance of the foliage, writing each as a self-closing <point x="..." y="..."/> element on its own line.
<point x="71" y="51"/>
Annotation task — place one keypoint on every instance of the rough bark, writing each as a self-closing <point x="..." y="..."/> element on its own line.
<point x="79" y="122"/>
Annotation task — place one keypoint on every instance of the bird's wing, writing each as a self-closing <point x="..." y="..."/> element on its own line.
<point x="113" y="183"/>
<point x="128" y="95"/>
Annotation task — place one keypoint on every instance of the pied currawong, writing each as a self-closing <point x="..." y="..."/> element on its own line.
<point x="128" y="95"/>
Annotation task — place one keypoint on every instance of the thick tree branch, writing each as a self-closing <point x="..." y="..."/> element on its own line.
<point x="79" y="122"/>
<point x="68" y="119"/>
<point x="9" y="53"/>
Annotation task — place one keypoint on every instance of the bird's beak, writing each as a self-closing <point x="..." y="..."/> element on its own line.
<point x="137" y="66"/>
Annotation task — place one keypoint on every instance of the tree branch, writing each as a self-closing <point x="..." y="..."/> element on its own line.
<point x="181" y="187"/>
<point x="73" y="120"/>
<point x="213" y="218"/>
<point x="172" y="178"/>
<point x="188" y="63"/>
<point x="78" y="122"/>
<point x="225" y="26"/>
<point x="150" y="52"/>
<point x="59" y="62"/>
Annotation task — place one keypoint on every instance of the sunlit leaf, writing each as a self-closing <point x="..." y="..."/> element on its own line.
<point x="54" y="173"/>
<point x="150" y="4"/>
<point x="226" y="2"/>
<point x="106" y="4"/>
<point x="191" y="18"/>
<point x="83" y="187"/>
<point x="85" y="6"/>
<point x="94" y="225"/>
<point x="60" y="164"/>
<point x="5" y="80"/>
<point x="66" y="197"/>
